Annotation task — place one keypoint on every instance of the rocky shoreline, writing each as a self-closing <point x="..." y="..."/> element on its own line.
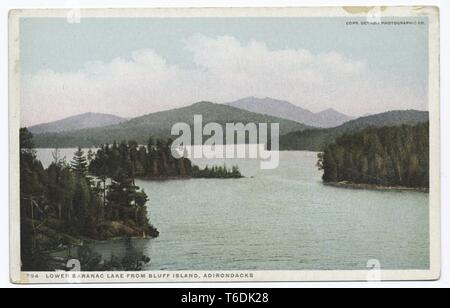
<point x="54" y="237"/>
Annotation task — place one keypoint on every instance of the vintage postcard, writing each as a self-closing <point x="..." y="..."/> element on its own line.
<point x="224" y="145"/>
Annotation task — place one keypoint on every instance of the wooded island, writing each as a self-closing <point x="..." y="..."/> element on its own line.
<point x="385" y="157"/>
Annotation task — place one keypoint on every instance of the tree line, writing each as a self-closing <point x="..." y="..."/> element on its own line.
<point x="387" y="156"/>
<point x="153" y="161"/>
<point x="318" y="139"/>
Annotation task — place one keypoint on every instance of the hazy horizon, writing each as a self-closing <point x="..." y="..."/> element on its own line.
<point x="133" y="67"/>
<point x="130" y="118"/>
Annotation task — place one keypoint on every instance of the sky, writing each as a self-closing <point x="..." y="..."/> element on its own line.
<point x="131" y="67"/>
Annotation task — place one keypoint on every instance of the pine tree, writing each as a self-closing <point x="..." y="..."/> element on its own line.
<point x="81" y="204"/>
<point x="124" y="199"/>
<point x="33" y="183"/>
<point x="79" y="163"/>
<point x="26" y="140"/>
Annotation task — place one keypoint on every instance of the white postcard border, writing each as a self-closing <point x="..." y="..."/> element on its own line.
<point x="257" y="276"/>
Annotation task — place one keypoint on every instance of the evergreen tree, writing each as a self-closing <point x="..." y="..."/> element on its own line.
<point x="81" y="202"/>
<point x="79" y="163"/>
<point x="124" y="199"/>
<point x="33" y="182"/>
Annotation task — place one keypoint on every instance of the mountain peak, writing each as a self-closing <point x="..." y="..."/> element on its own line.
<point x="203" y="103"/>
<point x="270" y="99"/>
<point x="159" y="125"/>
<point x="332" y="111"/>
<point x="328" y="110"/>
<point x="80" y="121"/>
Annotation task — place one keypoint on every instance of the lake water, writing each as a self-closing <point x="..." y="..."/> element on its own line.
<point x="283" y="219"/>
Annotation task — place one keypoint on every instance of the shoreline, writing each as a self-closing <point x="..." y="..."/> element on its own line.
<point x="115" y="231"/>
<point x="88" y="241"/>
<point x="184" y="178"/>
<point x="350" y="185"/>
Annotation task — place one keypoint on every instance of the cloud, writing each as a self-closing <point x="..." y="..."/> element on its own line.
<point x="224" y="70"/>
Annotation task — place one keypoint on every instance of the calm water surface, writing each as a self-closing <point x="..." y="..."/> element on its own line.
<point x="283" y="219"/>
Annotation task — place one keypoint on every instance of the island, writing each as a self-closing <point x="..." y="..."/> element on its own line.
<point x="379" y="158"/>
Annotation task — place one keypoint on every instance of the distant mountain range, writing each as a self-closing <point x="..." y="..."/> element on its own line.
<point x="317" y="139"/>
<point x="85" y="120"/>
<point x="287" y="110"/>
<point x="159" y="125"/>
<point x="93" y="129"/>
